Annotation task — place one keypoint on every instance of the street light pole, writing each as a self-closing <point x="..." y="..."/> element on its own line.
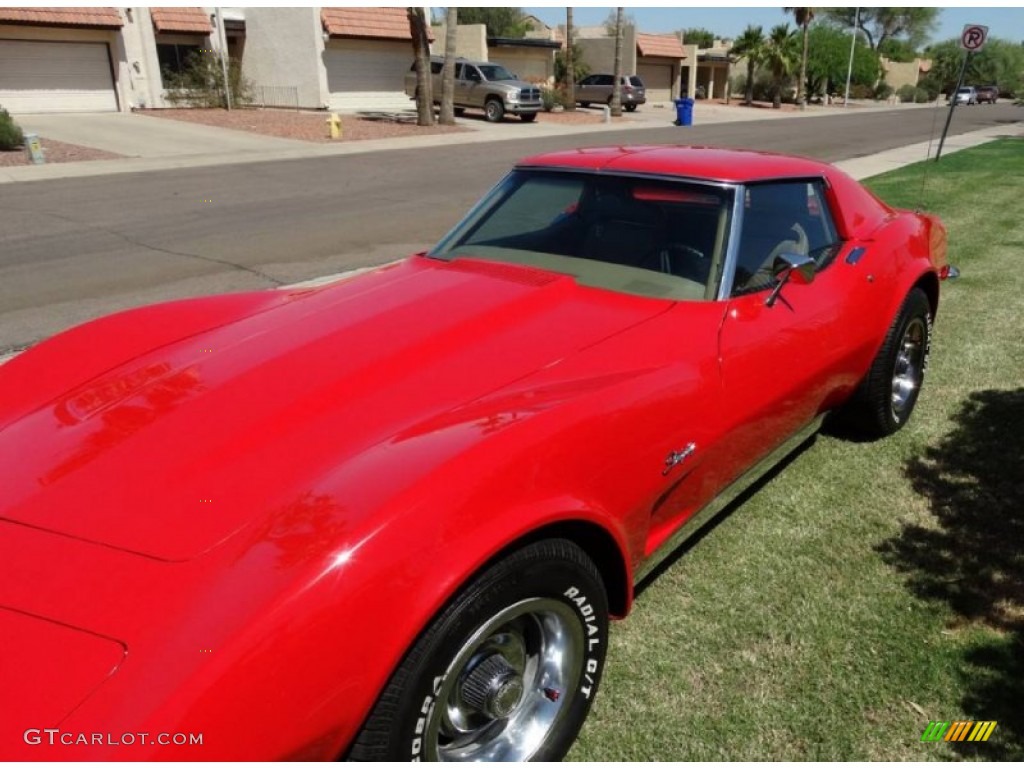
<point x="849" y="69"/>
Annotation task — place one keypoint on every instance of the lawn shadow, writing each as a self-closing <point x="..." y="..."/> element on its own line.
<point x="973" y="558"/>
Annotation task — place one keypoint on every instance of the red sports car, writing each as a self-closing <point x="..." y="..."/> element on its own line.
<point x="390" y="518"/>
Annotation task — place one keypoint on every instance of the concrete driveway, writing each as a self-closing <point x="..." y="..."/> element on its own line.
<point x="134" y="135"/>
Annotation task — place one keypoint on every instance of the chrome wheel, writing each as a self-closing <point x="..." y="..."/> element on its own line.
<point x="908" y="371"/>
<point x="509" y="685"/>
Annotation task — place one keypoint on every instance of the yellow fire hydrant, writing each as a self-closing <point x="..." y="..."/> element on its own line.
<point x="334" y="125"/>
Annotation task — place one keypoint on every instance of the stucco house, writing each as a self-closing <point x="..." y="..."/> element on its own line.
<point x="113" y="59"/>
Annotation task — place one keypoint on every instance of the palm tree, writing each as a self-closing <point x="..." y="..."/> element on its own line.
<point x="617" y="88"/>
<point x="448" y="71"/>
<point x="803" y="18"/>
<point x="778" y="57"/>
<point x="421" y="49"/>
<point x="750" y="45"/>
<point x="570" y="65"/>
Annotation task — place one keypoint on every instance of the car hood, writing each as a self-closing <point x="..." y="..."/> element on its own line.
<point x="172" y="452"/>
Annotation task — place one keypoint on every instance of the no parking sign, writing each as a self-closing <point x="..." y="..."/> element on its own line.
<point x="973" y="37"/>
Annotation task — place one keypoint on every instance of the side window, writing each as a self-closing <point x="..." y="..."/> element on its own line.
<point x="603" y="80"/>
<point x="436" y="67"/>
<point x="472" y="74"/>
<point x="587" y="80"/>
<point x="778" y="218"/>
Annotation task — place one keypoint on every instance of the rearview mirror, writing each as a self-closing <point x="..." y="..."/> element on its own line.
<point x="791" y="266"/>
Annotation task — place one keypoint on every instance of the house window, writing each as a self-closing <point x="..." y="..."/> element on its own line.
<point x="173" y="58"/>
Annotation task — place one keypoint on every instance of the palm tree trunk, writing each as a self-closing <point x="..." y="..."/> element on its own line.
<point x="617" y="88"/>
<point x="570" y="65"/>
<point x="421" y="48"/>
<point x="448" y="71"/>
<point x="750" y="80"/>
<point x="801" y="87"/>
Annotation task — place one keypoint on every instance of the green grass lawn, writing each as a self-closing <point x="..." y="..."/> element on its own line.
<point x="868" y="587"/>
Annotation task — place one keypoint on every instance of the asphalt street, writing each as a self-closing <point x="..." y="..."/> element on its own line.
<point x="74" y="249"/>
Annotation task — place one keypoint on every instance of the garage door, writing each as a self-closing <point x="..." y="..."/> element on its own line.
<point x="658" y="81"/>
<point x="367" y="74"/>
<point x="55" y="77"/>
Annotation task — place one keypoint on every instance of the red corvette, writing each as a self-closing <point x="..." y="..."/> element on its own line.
<point x="390" y="518"/>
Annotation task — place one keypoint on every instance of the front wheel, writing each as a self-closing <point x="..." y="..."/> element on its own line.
<point x="887" y="396"/>
<point x="507" y="672"/>
<point x="494" y="110"/>
<point x="528" y="118"/>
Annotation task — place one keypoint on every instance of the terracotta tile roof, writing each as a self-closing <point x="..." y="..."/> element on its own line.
<point x="191" y="21"/>
<point x="660" y="45"/>
<point x="104" y="18"/>
<point x="376" y="23"/>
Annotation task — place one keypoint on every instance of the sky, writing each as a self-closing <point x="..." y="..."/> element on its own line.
<point x="1007" y="23"/>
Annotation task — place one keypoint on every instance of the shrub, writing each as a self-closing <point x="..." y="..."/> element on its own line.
<point x="883" y="91"/>
<point x="549" y="97"/>
<point x="861" y="91"/>
<point x="11" y="136"/>
<point x="907" y="93"/>
<point x="201" y="84"/>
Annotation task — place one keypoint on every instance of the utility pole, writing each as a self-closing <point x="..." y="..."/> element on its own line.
<point x="853" y="43"/>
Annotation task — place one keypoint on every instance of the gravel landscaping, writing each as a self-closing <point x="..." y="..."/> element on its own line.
<point x="55" y="152"/>
<point x="312" y="126"/>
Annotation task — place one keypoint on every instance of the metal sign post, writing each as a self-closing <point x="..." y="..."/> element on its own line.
<point x="972" y="39"/>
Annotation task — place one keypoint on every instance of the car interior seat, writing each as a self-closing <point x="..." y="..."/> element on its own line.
<point x="774" y="223"/>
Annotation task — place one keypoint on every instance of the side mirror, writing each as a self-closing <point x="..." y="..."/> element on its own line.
<point x="791" y="266"/>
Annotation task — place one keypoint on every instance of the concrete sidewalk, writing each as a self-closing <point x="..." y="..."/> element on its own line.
<point x="156" y="144"/>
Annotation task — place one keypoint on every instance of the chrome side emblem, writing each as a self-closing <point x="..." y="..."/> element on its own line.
<point x="678" y="457"/>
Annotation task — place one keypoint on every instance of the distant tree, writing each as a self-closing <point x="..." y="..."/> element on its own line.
<point x="500" y="22"/>
<point x="421" y="49"/>
<point x="570" y="83"/>
<point x="829" y="57"/>
<point x="895" y="49"/>
<point x="803" y="18"/>
<point x="879" y="24"/>
<point x="702" y="38"/>
<point x="448" y="71"/>
<point x="750" y="45"/>
<point x="1000" y="63"/>
<point x="612" y="19"/>
<point x="620" y="22"/>
<point x="779" y="57"/>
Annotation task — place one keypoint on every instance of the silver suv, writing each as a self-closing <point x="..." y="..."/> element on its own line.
<point x="483" y="85"/>
<point x="597" y="89"/>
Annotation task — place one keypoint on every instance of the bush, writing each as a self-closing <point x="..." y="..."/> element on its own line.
<point x="907" y="93"/>
<point x="883" y="91"/>
<point x="861" y="91"/>
<point x="201" y="84"/>
<point x="549" y="98"/>
<point x="11" y="136"/>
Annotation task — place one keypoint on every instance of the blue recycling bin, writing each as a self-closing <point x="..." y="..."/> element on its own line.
<point x="684" y="111"/>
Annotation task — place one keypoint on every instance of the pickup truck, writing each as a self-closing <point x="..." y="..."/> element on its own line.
<point x="482" y="85"/>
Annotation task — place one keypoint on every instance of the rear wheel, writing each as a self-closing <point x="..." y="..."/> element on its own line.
<point x="629" y="107"/>
<point x="886" y="398"/>
<point x="494" y="110"/>
<point x="506" y="673"/>
<point x="460" y="111"/>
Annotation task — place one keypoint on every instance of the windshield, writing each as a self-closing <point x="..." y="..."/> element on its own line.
<point x="663" y="239"/>
<point x="495" y="72"/>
